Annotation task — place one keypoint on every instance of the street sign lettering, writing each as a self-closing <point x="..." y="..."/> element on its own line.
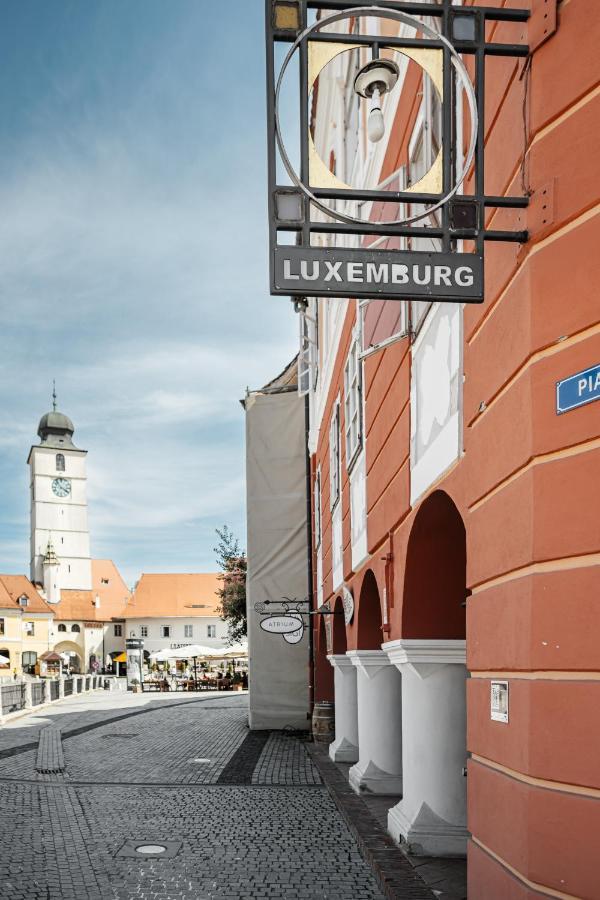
<point x="578" y="389"/>
<point x="281" y="624"/>
<point x="318" y="271"/>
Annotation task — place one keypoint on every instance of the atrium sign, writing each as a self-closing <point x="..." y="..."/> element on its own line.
<point x="378" y="273"/>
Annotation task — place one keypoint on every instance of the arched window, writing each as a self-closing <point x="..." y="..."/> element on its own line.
<point x="62" y="627"/>
<point x="60" y="462"/>
<point x="4" y="658"/>
<point x="75" y="628"/>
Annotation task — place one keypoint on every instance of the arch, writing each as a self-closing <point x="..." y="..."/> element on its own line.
<point x="70" y="649"/>
<point x="4" y="654"/>
<point x="435" y="575"/>
<point x="75" y="627"/>
<point x="60" y="462"/>
<point x="339" y="639"/>
<point x="369" y="621"/>
<point x="323" y="668"/>
<point x="62" y="627"/>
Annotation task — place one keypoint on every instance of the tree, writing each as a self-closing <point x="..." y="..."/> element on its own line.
<point x="231" y="559"/>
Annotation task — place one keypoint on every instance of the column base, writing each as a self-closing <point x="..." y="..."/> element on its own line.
<point x="343" y="751"/>
<point x="427" y="834"/>
<point x="371" y="779"/>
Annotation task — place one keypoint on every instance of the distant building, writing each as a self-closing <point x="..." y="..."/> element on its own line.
<point x="89" y="626"/>
<point x="25" y="625"/>
<point x="174" y="610"/>
<point x="87" y="597"/>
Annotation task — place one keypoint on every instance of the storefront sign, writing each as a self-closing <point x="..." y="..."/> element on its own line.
<point x="287" y="624"/>
<point x="499" y="701"/>
<point x="318" y="271"/>
<point x="578" y="389"/>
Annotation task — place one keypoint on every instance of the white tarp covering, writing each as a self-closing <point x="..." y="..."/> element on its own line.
<point x="277" y="554"/>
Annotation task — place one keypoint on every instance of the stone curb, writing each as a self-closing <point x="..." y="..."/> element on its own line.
<point x="395" y="876"/>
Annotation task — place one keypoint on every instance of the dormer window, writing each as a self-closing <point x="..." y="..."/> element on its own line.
<point x="104" y="581"/>
<point x="23" y="600"/>
<point x="60" y="462"/>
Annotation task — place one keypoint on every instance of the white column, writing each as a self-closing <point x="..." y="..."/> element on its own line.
<point x="61" y="688"/>
<point x="379" y="696"/>
<point x="345" y="746"/>
<point x="28" y="695"/>
<point x="432" y="815"/>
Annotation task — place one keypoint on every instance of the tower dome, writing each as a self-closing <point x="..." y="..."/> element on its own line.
<point x="56" y="429"/>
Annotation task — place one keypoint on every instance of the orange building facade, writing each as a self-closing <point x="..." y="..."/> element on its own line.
<point x="460" y="510"/>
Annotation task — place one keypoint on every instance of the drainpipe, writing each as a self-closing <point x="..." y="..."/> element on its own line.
<point x="309" y="539"/>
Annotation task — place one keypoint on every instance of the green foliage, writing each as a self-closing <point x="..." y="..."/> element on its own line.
<point x="231" y="559"/>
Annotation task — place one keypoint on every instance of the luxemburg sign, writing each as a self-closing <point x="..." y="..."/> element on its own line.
<point x="315" y="271"/>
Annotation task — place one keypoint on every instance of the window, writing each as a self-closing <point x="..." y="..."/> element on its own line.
<point x="165" y="631"/>
<point x="4" y="658"/>
<point x="75" y="628"/>
<point x="188" y="630"/>
<point x="1" y="626"/>
<point x="29" y="628"/>
<point x="118" y="631"/>
<point x="211" y="631"/>
<point x="144" y="631"/>
<point x="60" y="462"/>
<point x="23" y="600"/>
<point x="334" y="456"/>
<point x="424" y="147"/>
<point x="104" y="581"/>
<point x="28" y="661"/>
<point x="308" y="358"/>
<point x="353" y="404"/>
<point x="317" y="502"/>
<point x="62" y="627"/>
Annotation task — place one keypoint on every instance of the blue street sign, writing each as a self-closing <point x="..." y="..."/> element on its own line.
<point x="578" y="389"/>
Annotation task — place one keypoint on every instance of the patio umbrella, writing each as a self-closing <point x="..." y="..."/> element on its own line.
<point x="236" y="651"/>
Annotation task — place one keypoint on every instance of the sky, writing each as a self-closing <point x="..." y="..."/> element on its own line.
<point x="133" y="265"/>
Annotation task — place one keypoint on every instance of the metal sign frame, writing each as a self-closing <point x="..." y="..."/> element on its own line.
<point x="305" y="270"/>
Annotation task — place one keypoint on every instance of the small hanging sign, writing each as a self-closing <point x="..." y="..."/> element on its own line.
<point x="285" y="624"/>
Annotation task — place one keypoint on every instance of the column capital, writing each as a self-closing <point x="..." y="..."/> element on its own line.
<point x="425" y="656"/>
<point x="369" y="662"/>
<point x="340" y="661"/>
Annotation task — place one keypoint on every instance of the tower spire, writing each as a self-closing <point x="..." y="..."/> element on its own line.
<point x="54" y="394"/>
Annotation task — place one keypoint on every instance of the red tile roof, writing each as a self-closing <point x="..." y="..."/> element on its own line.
<point x="175" y="594"/>
<point x="14" y="586"/>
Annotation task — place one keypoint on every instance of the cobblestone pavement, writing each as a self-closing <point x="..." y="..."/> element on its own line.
<point x="171" y="771"/>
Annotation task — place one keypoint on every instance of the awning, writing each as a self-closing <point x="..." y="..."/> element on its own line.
<point x="122" y="657"/>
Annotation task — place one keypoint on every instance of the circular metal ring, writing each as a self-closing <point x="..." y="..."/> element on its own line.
<point x="406" y="19"/>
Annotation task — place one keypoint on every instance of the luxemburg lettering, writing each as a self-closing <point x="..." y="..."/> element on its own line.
<point x="381" y="273"/>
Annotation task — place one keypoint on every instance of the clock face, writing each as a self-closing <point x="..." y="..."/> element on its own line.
<point x="61" y="487"/>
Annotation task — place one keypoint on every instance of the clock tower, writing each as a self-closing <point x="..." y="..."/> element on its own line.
<point x="59" y="504"/>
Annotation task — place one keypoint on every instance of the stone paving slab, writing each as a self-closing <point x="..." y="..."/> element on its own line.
<point x="238" y="843"/>
<point x="284" y="760"/>
<point x="50" y="759"/>
<point x="395" y="875"/>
